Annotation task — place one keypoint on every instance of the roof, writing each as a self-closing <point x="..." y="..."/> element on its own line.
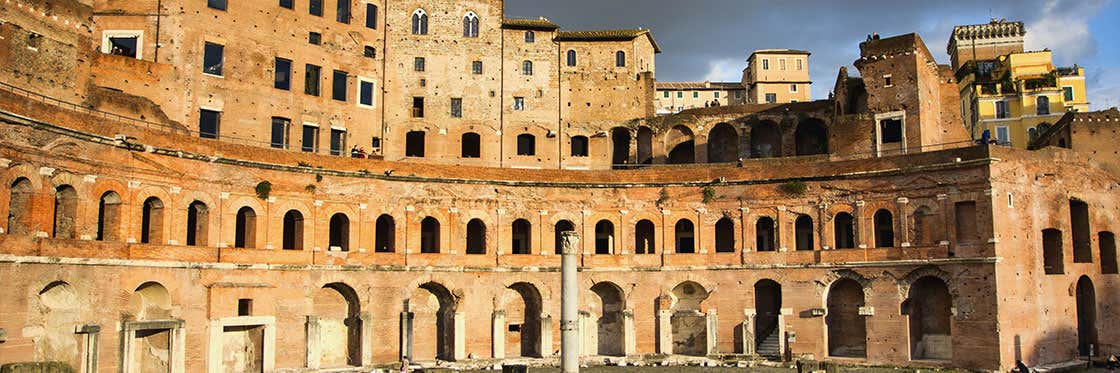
<point x="779" y="51"/>
<point x="686" y="86"/>
<point x="608" y="35"/>
<point x="529" y="24"/>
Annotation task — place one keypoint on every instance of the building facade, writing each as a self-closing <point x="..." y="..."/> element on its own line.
<point x="675" y="97"/>
<point x="866" y="229"/>
<point x="777" y="76"/>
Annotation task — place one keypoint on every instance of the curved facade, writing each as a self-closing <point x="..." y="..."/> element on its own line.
<point x="143" y="248"/>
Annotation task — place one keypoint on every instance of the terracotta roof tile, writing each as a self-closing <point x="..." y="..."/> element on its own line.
<point x="529" y="24"/>
<point x="607" y="35"/>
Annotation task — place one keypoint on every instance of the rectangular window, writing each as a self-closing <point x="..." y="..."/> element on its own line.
<point x="418" y="64"/>
<point x="338" y="141"/>
<point x="314" y="38"/>
<point x="283" y="76"/>
<point x="216" y="4"/>
<point x="212" y="57"/>
<point x="579" y="146"/>
<point x="310" y="141"/>
<point x="365" y="92"/>
<point x="1003" y="135"/>
<point x="343" y="15"/>
<point x="414" y="144"/>
<point x="244" y="307"/>
<point x="695" y="94"/>
<point x="417" y="107"/>
<point x="476" y="67"/>
<point x="311" y="80"/>
<point x="890" y="131"/>
<point x="1067" y="93"/>
<point x="371" y="16"/>
<point x="793" y="88"/>
<point x="680" y="94"/>
<point x="765" y="64"/>
<point x="738" y="94"/>
<point x="209" y="123"/>
<point x="800" y="64"/>
<point x="887" y="82"/>
<point x="456" y="108"/>
<point x="771" y="98"/>
<point x="338" y="85"/>
<point x="1002" y="109"/>
<point x="717" y="94"/>
<point x="280" y="132"/>
<point x="315" y="7"/>
<point x="289" y="4"/>
<point x="665" y="94"/>
<point x="519" y="103"/>
<point x="128" y="46"/>
<point x="782" y="64"/>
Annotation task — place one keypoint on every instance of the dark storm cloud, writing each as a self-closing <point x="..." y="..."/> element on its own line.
<point x="712" y="38"/>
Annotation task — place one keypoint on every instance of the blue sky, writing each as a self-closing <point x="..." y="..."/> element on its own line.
<point x="711" y="39"/>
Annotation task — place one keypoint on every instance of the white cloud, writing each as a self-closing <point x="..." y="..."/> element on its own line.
<point x="1104" y="88"/>
<point x="1063" y="27"/>
<point x="725" y="70"/>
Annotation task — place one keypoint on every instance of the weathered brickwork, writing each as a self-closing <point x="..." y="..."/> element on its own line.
<point x="138" y="246"/>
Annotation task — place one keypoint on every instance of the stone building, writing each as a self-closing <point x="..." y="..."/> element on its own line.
<point x="864" y="229"/>
<point x="777" y="76"/>
<point x="675" y="97"/>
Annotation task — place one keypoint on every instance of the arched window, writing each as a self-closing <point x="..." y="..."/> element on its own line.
<point x="419" y="22"/>
<point x="293" y="231"/>
<point x="580" y="146"/>
<point x="725" y="235"/>
<point x="470" y="25"/>
<point x="340" y="233"/>
<point x="604" y="237"/>
<point x="245" y="231"/>
<point x="151" y="221"/>
<point x="844" y="230"/>
<point x="685" y="233"/>
<point x="198" y="224"/>
<point x="65" y="212"/>
<point x="527" y="68"/>
<point x="522" y="237"/>
<point x="109" y="217"/>
<point x="429" y="236"/>
<point x="476" y="237"/>
<point x="385" y="231"/>
<point x="526" y="144"/>
<point x="764" y="234"/>
<point x="1042" y="103"/>
<point x="561" y="227"/>
<point x="620" y="59"/>
<point x="472" y="145"/>
<point x="803" y="231"/>
<point x="19" y="207"/>
<point x="571" y="57"/>
<point x="884" y="229"/>
<point x="644" y="237"/>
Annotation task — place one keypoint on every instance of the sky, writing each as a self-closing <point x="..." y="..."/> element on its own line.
<point x="711" y="39"/>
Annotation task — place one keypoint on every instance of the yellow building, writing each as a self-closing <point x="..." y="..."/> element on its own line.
<point x="674" y="97"/>
<point x="1018" y="95"/>
<point x="777" y="76"/>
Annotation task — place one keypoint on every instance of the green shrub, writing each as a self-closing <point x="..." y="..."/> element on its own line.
<point x="264" y="188"/>
<point x="794" y="188"/>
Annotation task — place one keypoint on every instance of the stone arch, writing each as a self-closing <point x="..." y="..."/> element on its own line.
<point x="109" y="216"/>
<point x="385" y="234"/>
<point x="523" y="310"/>
<point x="150" y="301"/>
<point x="928" y="308"/>
<point x="521" y="237"/>
<point x="725" y="235"/>
<point x="884" y="228"/>
<point x="645" y="237"/>
<point x="611" y="329"/>
<point x="65" y="212"/>
<point x="766" y="234"/>
<point x="723" y="144"/>
<point x="844" y="230"/>
<point x="20" y="208"/>
<point x="847" y="328"/>
<point x="54" y="313"/>
<point x="681" y="143"/>
<point x="430" y="234"/>
<point x="689" y="323"/>
<point x="811" y="137"/>
<point x="339" y="232"/>
<point x="605" y="238"/>
<point x="198" y="224"/>
<point x="768" y="308"/>
<point x="433" y="307"/>
<point x="337" y="308"/>
<point x="804" y="232"/>
<point x="476" y="237"/>
<point x="151" y="221"/>
<point x="245" y="228"/>
<point x="685" y="236"/>
<point x="293" y="230"/>
<point x="766" y="139"/>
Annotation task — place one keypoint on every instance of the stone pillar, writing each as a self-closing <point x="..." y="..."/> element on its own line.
<point x="314" y="354"/>
<point x="665" y="332"/>
<point x="948" y="221"/>
<point x="629" y="338"/>
<point x="92" y="335"/>
<point x="713" y="331"/>
<point x="406" y="335"/>
<point x="367" y="337"/>
<point x="779" y="228"/>
<point x="748" y="331"/>
<point x="460" y="348"/>
<point x="697" y="233"/>
<point x="569" y="302"/>
<point x="822" y="237"/>
<point x="860" y="223"/>
<point x="781" y="331"/>
<point x="588" y="329"/>
<point x="546" y="336"/>
<point x="498" y="334"/>
<point x="903" y="225"/>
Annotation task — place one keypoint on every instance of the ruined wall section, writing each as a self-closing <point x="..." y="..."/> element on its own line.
<point x="44" y="47"/>
<point x="597" y="94"/>
<point x="539" y="89"/>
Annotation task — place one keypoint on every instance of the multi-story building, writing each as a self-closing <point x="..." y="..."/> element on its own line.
<point x="1012" y="97"/>
<point x="674" y="97"/>
<point x="865" y="229"/>
<point x="777" y="76"/>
